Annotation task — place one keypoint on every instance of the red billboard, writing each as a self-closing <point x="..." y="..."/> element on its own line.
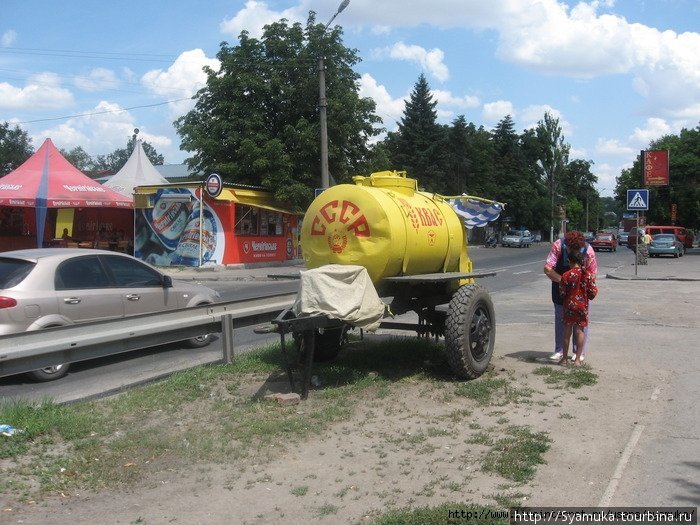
<point x="655" y="164"/>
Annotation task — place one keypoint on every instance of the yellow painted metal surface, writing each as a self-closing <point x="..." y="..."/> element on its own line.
<point x="385" y="224"/>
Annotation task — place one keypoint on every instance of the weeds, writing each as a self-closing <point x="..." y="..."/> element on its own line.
<point x="574" y="377"/>
<point x="515" y="456"/>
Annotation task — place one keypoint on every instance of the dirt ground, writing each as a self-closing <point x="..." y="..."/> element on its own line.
<point x="417" y="445"/>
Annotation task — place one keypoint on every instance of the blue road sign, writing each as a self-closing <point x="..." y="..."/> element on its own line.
<point x="637" y="200"/>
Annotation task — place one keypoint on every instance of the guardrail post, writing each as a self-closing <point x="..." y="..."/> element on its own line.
<point x="227" y="337"/>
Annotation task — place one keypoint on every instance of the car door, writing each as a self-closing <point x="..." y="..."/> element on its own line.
<point x="84" y="291"/>
<point x="140" y="286"/>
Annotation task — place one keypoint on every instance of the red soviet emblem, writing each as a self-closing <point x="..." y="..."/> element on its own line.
<point x="336" y="220"/>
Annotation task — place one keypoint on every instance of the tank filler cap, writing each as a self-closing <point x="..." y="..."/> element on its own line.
<point x="388" y="179"/>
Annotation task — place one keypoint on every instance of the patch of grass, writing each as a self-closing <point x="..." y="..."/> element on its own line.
<point x="45" y="423"/>
<point x="326" y="510"/>
<point x="493" y="391"/>
<point x="565" y="415"/>
<point x="481" y="390"/>
<point x="571" y="377"/>
<point x="445" y="514"/>
<point x="479" y="438"/>
<point x="510" y="501"/>
<point x="299" y="491"/>
<point x="515" y="456"/>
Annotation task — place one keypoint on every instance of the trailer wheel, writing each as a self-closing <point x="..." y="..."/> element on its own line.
<point x="470" y="331"/>
<point x="328" y="343"/>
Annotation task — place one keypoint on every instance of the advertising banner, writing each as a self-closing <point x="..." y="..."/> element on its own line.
<point x="655" y="167"/>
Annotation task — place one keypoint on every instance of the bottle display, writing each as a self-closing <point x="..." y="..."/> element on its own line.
<point x="188" y="246"/>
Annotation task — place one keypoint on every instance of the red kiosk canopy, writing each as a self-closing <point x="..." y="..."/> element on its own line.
<point x="47" y="179"/>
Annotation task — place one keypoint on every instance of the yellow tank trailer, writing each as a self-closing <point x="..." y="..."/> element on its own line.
<point x="413" y="245"/>
<point x="386" y="225"/>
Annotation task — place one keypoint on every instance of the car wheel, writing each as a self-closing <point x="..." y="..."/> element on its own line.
<point x="49" y="373"/>
<point x="199" y="342"/>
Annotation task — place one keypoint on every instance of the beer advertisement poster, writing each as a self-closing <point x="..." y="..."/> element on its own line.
<point x="655" y="167"/>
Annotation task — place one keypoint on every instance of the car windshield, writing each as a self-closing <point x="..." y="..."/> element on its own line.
<point x="515" y="233"/>
<point x="604" y="237"/>
<point x="13" y="271"/>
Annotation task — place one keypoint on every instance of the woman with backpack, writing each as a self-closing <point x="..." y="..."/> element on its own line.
<point x="576" y="288"/>
<point x="554" y="267"/>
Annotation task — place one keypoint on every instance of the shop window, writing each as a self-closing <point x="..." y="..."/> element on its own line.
<point x="247" y="220"/>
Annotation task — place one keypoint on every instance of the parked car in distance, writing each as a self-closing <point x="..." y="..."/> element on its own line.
<point x="623" y="238"/>
<point x="666" y="244"/>
<point x="604" y="241"/>
<point x="680" y="232"/>
<point x="519" y="238"/>
<point x="47" y="287"/>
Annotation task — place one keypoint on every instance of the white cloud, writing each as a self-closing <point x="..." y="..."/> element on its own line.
<point x="98" y="79"/>
<point x="493" y="112"/>
<point x="614" y="147"/>
<point x="583" y="39"/>
<point x="532" y="115"/>
<point x="254" y="16"/>
<point x="8" y="38"/>
<point x="107" y="128"/>
<point x="181" y="80"/>
<point x="446" y="98"/>
<point x="42" y="91"/>
<point x="430" y="61"/>
<point x="607" y="177"/>
<point x="655" y="129"/>
<point x="388" y="108"/>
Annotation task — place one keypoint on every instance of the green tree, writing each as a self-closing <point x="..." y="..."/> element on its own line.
<point x="257" y="120"/>
<point x="79" y="158"/>
<point x="683" y="189"/>
<point x="419" y="145"/>
<point x="515" y="181"/>
<point x="553" y="156"/>
<point x="15" y="147"/>
<point x="582" y="199"/>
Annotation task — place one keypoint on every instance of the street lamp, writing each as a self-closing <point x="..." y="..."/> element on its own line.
<point x="325" y="178"/>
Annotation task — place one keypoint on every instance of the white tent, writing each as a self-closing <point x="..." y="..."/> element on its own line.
<point x="138" y="171"/>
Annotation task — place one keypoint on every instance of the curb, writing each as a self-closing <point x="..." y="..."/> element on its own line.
<point x="612" y="275"/>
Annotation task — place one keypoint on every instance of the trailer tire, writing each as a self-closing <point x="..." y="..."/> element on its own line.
<point x="328" y="343"/>
<point x="470" y="331"/>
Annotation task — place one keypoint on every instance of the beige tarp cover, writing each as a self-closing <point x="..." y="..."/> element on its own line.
<point x="340" y="291"/>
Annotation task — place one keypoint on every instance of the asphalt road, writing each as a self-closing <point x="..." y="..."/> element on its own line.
<point x="516" y="267"/>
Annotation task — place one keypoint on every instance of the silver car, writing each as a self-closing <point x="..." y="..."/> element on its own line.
<point x="47" y="287"/>
<point x="519" y="238"/>
<point x="665" y="244"/>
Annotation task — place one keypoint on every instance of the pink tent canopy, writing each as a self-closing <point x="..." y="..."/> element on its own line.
<point x="48" y="180"/>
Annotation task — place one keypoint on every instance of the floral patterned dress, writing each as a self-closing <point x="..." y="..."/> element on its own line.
<point x="577" y="287"/>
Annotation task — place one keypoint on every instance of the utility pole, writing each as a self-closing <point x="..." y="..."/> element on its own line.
<point x="322" y="103"/>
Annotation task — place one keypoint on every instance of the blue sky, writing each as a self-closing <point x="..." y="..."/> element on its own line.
<point x="617" y="74"/>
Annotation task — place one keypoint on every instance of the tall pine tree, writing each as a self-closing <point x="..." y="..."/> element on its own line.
<point x="419" y="144"/>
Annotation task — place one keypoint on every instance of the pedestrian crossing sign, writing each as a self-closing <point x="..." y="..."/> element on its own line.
<point x="637" y="200"/>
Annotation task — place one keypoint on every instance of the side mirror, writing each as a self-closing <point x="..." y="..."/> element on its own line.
<point x="167" y="281"/>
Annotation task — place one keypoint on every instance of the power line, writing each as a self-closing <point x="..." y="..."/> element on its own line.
<point x="139" y="57"/>
<point x="105" y="111"/>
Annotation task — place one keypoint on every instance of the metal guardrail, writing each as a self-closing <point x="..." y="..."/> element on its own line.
<point x="27" y="351"/>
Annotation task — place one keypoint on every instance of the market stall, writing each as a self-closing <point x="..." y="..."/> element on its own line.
<point x="211" y="223"/>
<point x="48" y="201"/>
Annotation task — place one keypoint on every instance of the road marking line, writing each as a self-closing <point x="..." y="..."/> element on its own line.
<point x="524" y="271"/>
<point x="617" y="475"/>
